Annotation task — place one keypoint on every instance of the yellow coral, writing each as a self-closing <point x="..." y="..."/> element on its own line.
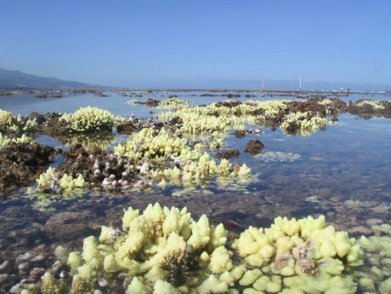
<point x="90" y="119"/>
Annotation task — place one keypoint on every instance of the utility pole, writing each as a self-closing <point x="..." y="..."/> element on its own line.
<point x="262" y="85"/>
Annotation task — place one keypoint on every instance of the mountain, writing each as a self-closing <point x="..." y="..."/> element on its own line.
<point x="10" y="79"/>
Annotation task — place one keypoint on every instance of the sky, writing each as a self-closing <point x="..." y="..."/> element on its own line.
<point x="165" y="42"/>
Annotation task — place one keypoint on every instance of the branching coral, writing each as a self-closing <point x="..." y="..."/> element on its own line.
<point x="5" y="141"/>
<point x="52" y="181"/>
<point x="303" y="123"/>
<point x="5" y="119"/>
<point x="173" y="160"/>
<point x="223" y="116"/>
<point x="151" y="157"/>
<point x="91" y="119"/>
<point x="164" y="250"/>
<point x="10" y="123"/>
<point x="151" y="143"/>
<point x="172" y="103"/>
<point x="376" y="105"/>
<point x="299" y="255"/>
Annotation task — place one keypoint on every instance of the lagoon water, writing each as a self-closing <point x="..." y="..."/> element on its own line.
<point x="343" y="172"/>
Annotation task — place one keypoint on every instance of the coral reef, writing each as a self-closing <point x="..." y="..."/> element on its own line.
<point x="91" y="119"/>
<point x="368" y="108"/>
<point x="169" y="103"/>
<point x="294" y="117"/>
<point x="173" y="103"/>
<point x="164" y="250"/>
<point x="167" y="158"/>
<point x="376" y="105"/>
<point x="152" y="143"/>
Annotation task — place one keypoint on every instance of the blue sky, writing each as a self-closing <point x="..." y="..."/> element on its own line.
<point x="150" y="43"/>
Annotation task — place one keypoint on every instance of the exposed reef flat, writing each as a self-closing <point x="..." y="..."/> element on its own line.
<point x="172" y="158"/>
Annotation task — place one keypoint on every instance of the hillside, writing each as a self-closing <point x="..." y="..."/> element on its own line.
<point x="18" y="80"/>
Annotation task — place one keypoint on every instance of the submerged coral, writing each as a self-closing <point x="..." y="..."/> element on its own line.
<point x="275" y="156"/>
<point x="164" y="250"/>
<point x="375" y="276"/>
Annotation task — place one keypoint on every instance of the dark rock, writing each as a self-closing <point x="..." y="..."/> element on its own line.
<point x="240" y="133"/>
<point x="127" y="127"/>
<point x="229" y="104"/>
<point x="39" y="118"/>
<point x="254" y="147"/>
<point x="150" y="102"/>
<point x="22" y="164"/>
<point x="231" y="95"/>
<point x="228" y="153"/>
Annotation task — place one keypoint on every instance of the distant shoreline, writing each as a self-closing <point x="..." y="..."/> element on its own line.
<point x="94" y="90"/>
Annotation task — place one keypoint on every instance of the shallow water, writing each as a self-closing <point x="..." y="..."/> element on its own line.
<point x="343" y="172"/>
